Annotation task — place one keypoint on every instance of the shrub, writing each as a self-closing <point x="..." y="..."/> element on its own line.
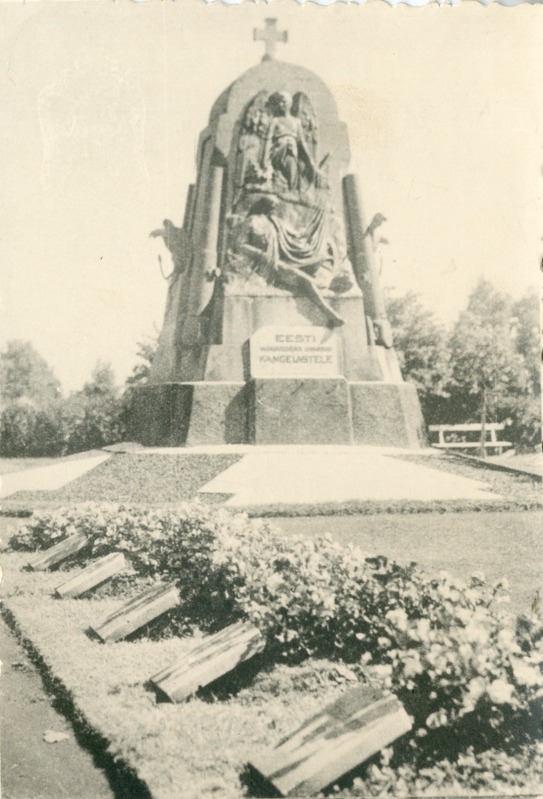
<point x="524" y="424"/>
<point x="91" y="422"/>
<point x="28" y="431"/>
<point x="443" y="646"/>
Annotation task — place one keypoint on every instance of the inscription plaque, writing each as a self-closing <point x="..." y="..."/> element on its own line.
<point x="295" y="351"/>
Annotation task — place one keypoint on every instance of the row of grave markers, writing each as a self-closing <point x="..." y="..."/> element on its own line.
<point x="316" y="755"/>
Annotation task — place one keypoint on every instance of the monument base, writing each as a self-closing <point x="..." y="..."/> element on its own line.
<point x="279" y="411"/>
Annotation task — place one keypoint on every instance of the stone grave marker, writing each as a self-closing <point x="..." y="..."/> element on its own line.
<point x="333" y="742"/>
<point x="207" y="661"/>
<point x="60" y="552"/>
<point x="93" y="576"/>
<point x="138" y="612"/>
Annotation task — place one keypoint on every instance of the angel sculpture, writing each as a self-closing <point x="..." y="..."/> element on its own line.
<point x="278" y="143"/>
<point x="286" y="150"/>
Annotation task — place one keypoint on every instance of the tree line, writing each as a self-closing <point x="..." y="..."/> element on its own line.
<point x="486" y="367"/>
<point x="483" y="368"/>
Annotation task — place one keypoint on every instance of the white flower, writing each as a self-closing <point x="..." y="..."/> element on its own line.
<point x="525" y="674"/>
<point x="476" y="634"/>
<point x="506" y="639"/>
<point x="500" y="692"/>
<point x="398" y="618"/>
<point x="412" y="665"/>
<point x="383" y="671"/>
<point x="476" y="688"/>
<point x="274" y="582"/>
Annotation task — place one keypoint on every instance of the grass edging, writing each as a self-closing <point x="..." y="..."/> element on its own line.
<point x="371" y="507"/>
<point x="478" y="463"/>
<point x="123" y="780"/>
<point x="347" y="508"/>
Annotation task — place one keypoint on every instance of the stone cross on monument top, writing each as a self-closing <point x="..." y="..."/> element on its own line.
<point x="270" y="36"/>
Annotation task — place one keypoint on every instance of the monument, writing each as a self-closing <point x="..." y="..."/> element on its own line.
<point x="275" y="329"/>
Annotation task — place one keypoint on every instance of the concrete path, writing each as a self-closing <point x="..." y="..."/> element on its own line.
<point x="300" y="475"/>
<point x="32" y="768"/>
<point x="47" y="478"/>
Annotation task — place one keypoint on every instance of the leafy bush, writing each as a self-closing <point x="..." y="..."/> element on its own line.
<point x="443" y="646"/>
<point x="523" y="428"/>
<point x="28" y="431"/>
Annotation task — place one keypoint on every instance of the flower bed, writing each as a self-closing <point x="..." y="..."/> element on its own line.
<point x="472" y="683"/>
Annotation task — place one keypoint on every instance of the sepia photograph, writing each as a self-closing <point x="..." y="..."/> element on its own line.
<point x="270" y="420"/>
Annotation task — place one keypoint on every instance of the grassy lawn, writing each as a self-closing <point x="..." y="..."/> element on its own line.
<point x="131" y="478"/>
<point x="157" y="479"/>
<point x="499" y="544"/>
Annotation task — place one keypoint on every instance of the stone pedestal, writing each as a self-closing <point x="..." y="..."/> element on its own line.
<point x="303" y="411"/>
<point x="186" y="414"/>
<point x="280" y="411"/>
<point x="387" y="414"/>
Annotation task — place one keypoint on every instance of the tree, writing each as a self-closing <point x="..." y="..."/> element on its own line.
<point x="92" y="416"/>
<point x="527" y="324"/>
<point x="146" y="353"/>
<point x="140" y="374"/>
<point x="24" y="374"/>
<point x="421" y="343"/>
<point x="524" y="427"/>
<point x="488" y="371"/>
<point x="30" y="422"/>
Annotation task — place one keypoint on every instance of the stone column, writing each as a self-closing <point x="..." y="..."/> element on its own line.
<point x="363" y="264"/>
<point x="205" y="262"/>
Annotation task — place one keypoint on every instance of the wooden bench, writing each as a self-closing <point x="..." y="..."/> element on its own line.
<point x="491" y="429"/>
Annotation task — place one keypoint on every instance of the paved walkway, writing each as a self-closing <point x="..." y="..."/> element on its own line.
<point x="47" y="478"/>
<point x="290" y="475"/>
<point x="300" y="475"/>
<point x="32" y="768"/>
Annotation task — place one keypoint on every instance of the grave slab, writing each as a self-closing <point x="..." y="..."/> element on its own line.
<point x="59" y="553"/>
<point x="217" y="655"/>
<point x="333" y="742"/>
<point x="135" y="614"/>
<point x="93" y="576"/>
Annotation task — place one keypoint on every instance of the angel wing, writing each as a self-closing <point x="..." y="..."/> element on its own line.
<point x="302" y="107"/>
<point x="253" y="130"/>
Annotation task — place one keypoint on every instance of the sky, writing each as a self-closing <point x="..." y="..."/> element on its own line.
<point x="103" y="103"/>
